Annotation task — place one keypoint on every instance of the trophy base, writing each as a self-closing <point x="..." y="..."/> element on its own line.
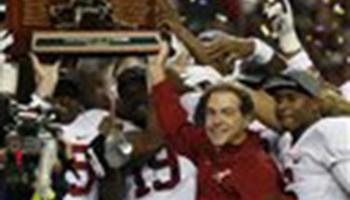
<point x="95" y="42"/>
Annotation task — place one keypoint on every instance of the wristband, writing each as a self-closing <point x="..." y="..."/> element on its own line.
<point x="299" y="62"/>
<point x="262" y="54"/>
<point x="37" y="101"/>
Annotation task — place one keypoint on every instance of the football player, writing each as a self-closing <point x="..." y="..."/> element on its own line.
<point x="315" y="150"/>
<point x="152" y="173"/>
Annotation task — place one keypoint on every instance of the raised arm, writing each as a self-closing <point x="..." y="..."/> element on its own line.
<point x="251" y="51"/>
<point x="280" y="14"/>
<point x="170" y="19"/>
<point x="171" y="116"/>
<point x="46" y="76"/>
<point x="281" y="21"/>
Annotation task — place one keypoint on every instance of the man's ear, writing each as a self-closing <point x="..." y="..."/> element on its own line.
<point x="249" y="118"/>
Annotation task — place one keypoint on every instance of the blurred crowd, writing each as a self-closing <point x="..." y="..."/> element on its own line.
<point x="322" y="24"/>
<point x="245" y="99"/>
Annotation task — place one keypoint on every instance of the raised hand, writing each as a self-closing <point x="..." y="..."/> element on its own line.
<point x="156" y="72"/>
<point x="281" y="22"/>
<point x="227" y="47"/>
<point x="46" y="76"/>
<point x="280" y="16"/>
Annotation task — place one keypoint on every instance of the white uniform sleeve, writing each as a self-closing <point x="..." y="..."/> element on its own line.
<point x="341" y="172"/>
<point x="336" y="136"/>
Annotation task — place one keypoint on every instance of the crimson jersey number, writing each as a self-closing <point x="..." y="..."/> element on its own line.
<point x="75" y="189"/>
<point x="156" y="164"/>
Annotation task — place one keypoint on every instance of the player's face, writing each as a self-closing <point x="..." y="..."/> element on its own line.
<point x="132" y="90"/>
<point x="68" y="108"/>
<point x="224" y="121"/>
<point x="135" y="100"/>
<point x="295" y="110"/>
<point x="95" y="90"/>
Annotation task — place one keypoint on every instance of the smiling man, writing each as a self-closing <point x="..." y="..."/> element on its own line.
<point x="230" y="160"/>
<point x="315" y="154"/>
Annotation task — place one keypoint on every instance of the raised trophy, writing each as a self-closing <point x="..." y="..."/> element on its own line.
<point x="84" y="26"/>
<point x="98" y="27"/>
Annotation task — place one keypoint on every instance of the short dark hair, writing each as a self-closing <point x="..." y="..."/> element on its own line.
<point x="68" y="86"/>
<point x="246" y="102"/>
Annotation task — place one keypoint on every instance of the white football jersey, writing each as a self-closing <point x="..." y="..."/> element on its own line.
<point x="166" y="176"/>
<point x="317" y="166"/>
<point x="78" y="135"/>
